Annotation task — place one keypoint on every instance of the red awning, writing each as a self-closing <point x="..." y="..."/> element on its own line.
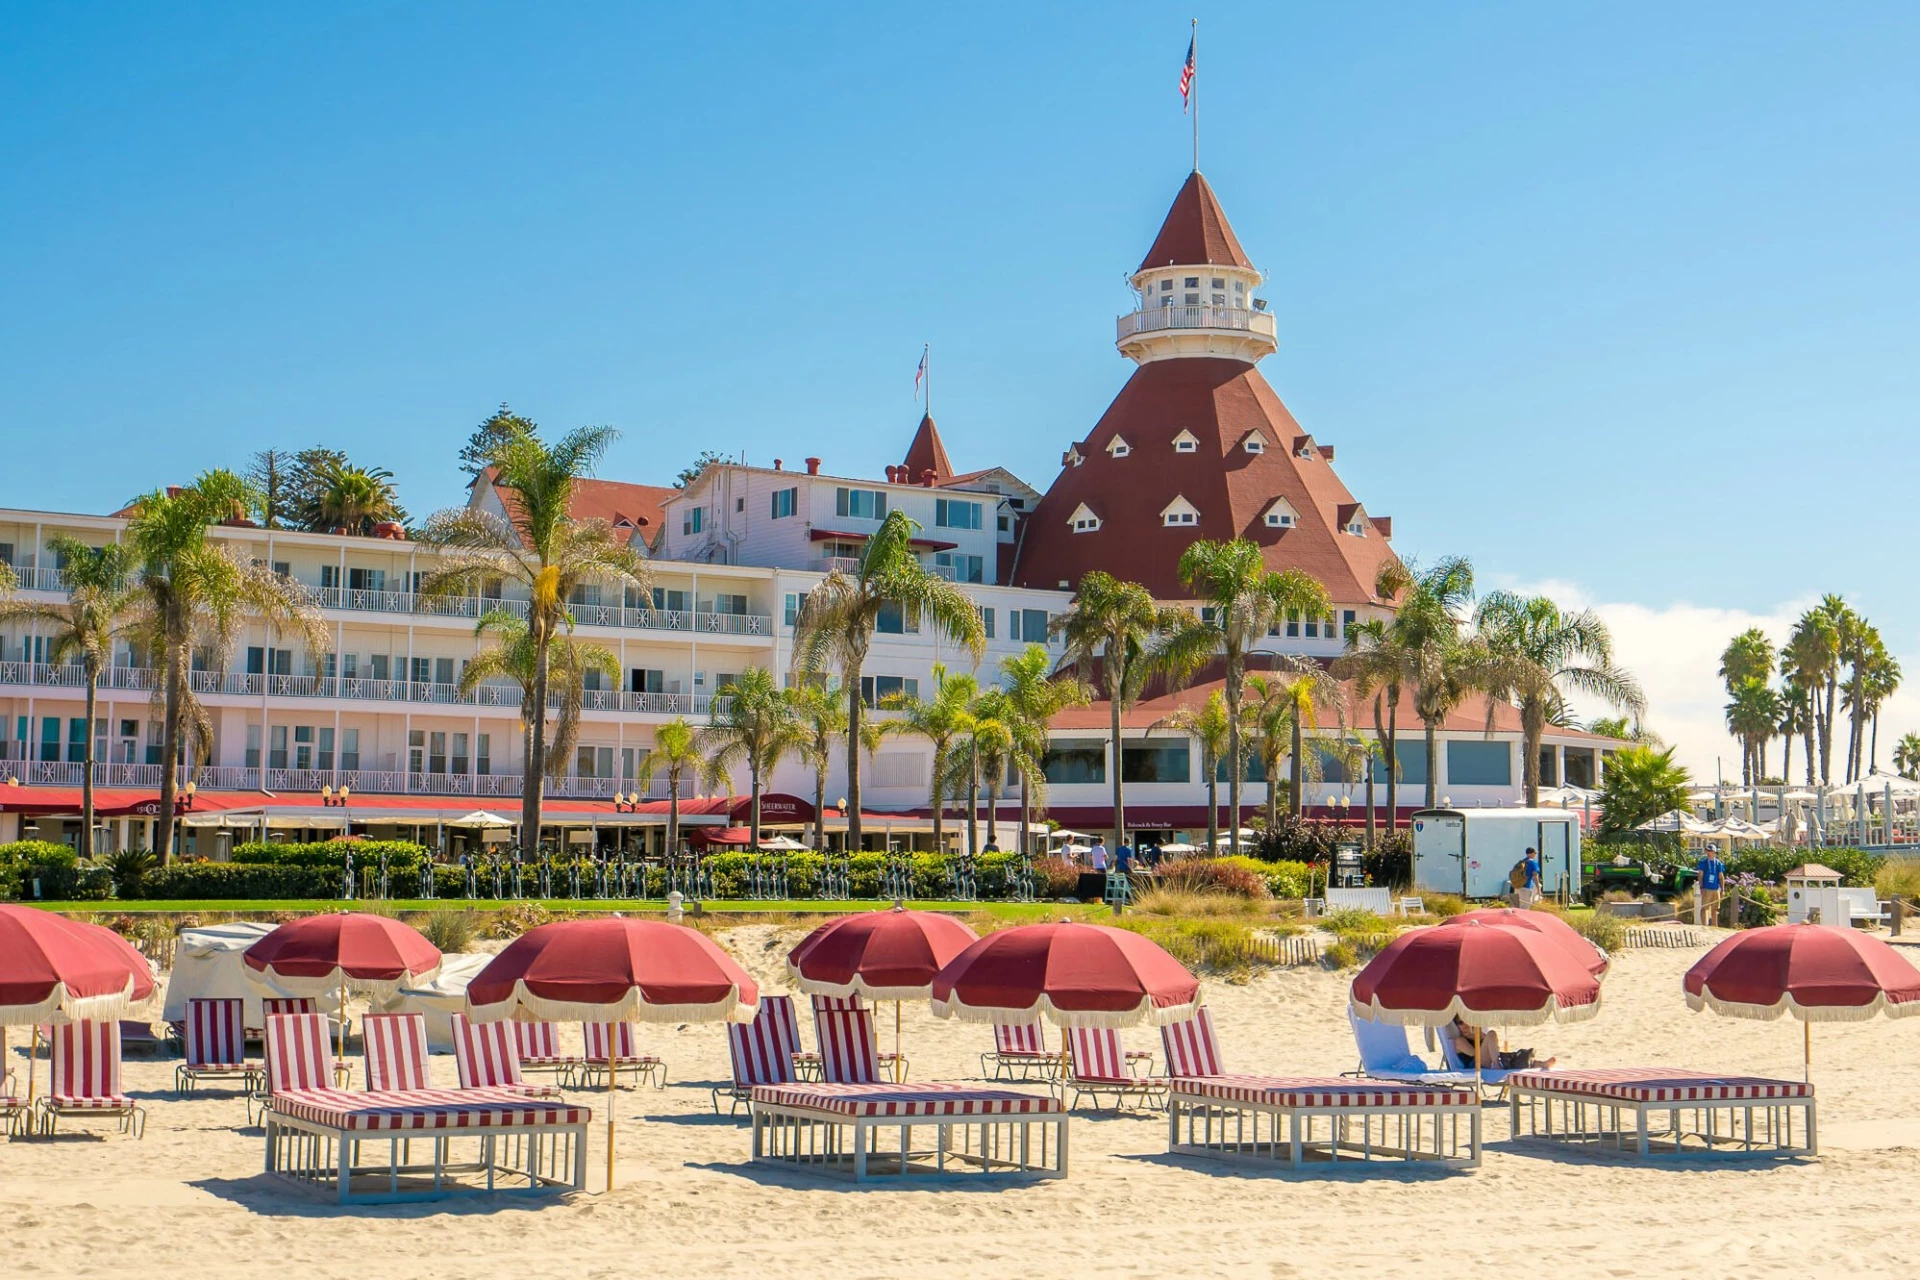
<point x="836" y="535"/>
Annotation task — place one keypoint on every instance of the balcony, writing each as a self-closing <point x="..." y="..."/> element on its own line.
<point x="1160" y="319"/>
<point x="505" y="786"/>
<point x="42" y="675"/>
<point x="837" y="564"/>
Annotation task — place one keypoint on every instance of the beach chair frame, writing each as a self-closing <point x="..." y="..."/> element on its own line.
<point x="86" y="1080"/>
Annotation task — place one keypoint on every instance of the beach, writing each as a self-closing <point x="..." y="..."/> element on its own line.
<point x="191" y="1199"/>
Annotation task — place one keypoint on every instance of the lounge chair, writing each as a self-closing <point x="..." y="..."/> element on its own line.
<point x="12" y="1110"/>
<point x="395" y="1048"/>
<point x="1020" y="1053"/>
<point x="215" y="1036"/>
<point x="893" y="1064"/>
<point x="1385" y="1055"/>
<point x="806" y="1063"/>
<point x="1097" y="1066"/>
<point x="86" y="1079"/>
<point x="1192" y="1052"/>
<point x="299" y="1056"/>
<point x="759" y="1053"/>
<point x="626" y="1055"/>
<point x="538" y="1045"/>
<point x="849" y="1051"/>
<point x="485" y="1055"/>
<point x="1494" y="1078"/>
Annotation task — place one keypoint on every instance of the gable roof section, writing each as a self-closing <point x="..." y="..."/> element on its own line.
<point x="1195" y="231"/>
<point x="636" y="508"/>
<point x="1219" y="401"/>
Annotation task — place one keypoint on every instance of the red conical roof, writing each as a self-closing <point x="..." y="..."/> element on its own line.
<point x="927" y="453"/>
<point x="1195" y="231"/>
<point x="1220" y="403"/>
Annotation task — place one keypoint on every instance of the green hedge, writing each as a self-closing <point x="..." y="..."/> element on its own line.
<point x="333" y="854"/>
<point x="239" y="880"/>
<point x="61" y="875"/>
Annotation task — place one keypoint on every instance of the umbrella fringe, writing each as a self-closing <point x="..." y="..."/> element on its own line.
<point x="1144" y="1013"/>
<point x="300" y="984"/>
<point x="1552" y="1011"/>
<point x="59" y="1007"/>
<point x="629" y="1008"/>
<point x="1806" y="1013"/>
<point x="858" y="987"/>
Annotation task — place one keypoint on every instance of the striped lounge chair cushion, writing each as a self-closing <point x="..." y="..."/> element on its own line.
<point x="860" y="1101"/>
<point x="1097" y="1056"/>
<point x="425" y="1109"/>
<point x="1659" y="1084"/>
<point x="1021" y="1040"/>
<point x="538" y="1044"/>
<point x="86" y="1067"/>
<point x="1191" y="1048"/>
<point x="1285" y="1091"/>
<point x="396" y="1052"/>
<point x="215" y="1034"/>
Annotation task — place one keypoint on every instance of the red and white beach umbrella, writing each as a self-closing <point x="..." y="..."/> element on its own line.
<point x="1078" y="975"/>
<point x="1544" y="923"/>
<point x="345" y="950"/>
<point x="882" y="955"/>
<point x="610" y="971"/>
<point x="1485" y="975"/>
<point x="56" y="970"/>
<point x="1816" y="972"/>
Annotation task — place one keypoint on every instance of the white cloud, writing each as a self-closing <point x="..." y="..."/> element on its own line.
<point x="1675" y="651"/>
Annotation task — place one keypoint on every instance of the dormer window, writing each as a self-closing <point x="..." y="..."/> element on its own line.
<point x="1254" y="443"/>
<point x="1308" y="452"/>
<point x="1186" y="442"/>
<point x="1180" y="514"/>
<point x="1072" y="457"/>
<point x="1357" y="527"/>
<point x="1118" y="448"/>
<point x="1281" y="515"/>
<point x="1083" y="520"/>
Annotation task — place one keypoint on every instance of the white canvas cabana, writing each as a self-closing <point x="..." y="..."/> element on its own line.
<point x="208" y="963"/>
<point x="440" y="998"/>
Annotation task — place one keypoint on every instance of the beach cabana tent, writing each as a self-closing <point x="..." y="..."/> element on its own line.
<point x="438" y="998"/>
<point x="209" y="964"/>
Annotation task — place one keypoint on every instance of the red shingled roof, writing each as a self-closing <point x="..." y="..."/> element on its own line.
<point x="1195" y="231"/>
<point x="639" y="507"/>
<point x="1221" y="402"/>
<point x="928" y="453"/>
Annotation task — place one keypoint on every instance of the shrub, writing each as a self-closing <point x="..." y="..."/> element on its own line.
<point x="1298" y="839"/>
<point x="1898" y="878"/>
<point x="1055" y="878"/>
<point x="1443" y="905"/>
<point x="1214" y="875"/>
<point x="239" y="880"/>
<point x="1340" y="954"/>
<point x="1185" y="904"/>
<point x="1360" y="929"/>
<point x="1602" y="928"/>
<point x="519" y="918"/>
<point x="451" y="930"/>
<point x="333" y="853"/>
<point x="1390" y="861"/>
<point x="129" y="867"/>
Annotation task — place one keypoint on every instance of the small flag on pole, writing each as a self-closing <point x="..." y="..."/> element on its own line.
<point x="920" y="374"/>
<point x="1186" y="76"/>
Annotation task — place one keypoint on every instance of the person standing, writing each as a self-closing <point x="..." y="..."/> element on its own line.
<point x="1123" y="858"/>
<point x="1530" y="886"/>
<point x="1097" y="856"/>
<point x="1713" y="874"/>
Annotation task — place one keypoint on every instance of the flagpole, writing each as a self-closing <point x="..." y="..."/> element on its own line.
<point x="1195" y="89"/>
<point x="926" y="355"/>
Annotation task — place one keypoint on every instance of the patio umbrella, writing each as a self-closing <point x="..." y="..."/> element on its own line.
<point x="1079" y="975"/>
<point x="1816" y="972"/>
<point x="1546" y="924"/>
<point x="882" y="955"/>
<point x="55" y="970"/>
<point x="342" y="949"/>
<point x="480" y="820"/>
<point x="612" y="971"/>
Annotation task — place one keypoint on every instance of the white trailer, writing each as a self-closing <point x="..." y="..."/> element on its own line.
<point x="1471" y="851"/>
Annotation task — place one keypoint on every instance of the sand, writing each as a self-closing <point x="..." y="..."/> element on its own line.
<point x="190" y="1199"/>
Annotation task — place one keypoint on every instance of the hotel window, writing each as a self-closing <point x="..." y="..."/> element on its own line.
<point x="416" y="750"/>
<point x="669" y="601"/>
<point x="876" y="689"/>
<point x="959" y="568"/>
<point x="1075" y="761"/>
<point x="785" y="502"/>
<point x="1186" y="442"/>
<point x="323" y="758"/>
<point x="1346" y="622"/>
<point x="893" y="622"/>
<point x="1027" y="625"/>
<point x="1358" y="528"/>
<point x="1293" y="622"/>
<point x="694" y="521"/>
<point x="422" y="672"/>
<point x="1192" y="282"/>
<point x="253" y="746"/>
<point x="366" y="579"/>
<point x="349" y="749"/>
<point x="483" y="754"/>
<point x="740" y="505"/>
<point x="1166" y="286"/>
<point x="860" y="504"/>
<point x="951" y="513"/>
<point x="378" y="666"/>
<point x="1086" y="524"/>
<point x="437" y="751"/>
<point x="986" y="620"/>
<point x="329" y="575"/>
<point x="1280" y="519"/>
<point x="1219" y="282"/>
<point x="723" y="682"/>
<point x="791" y="614"/>
<point x="646" y="680"/>
<point x="460" y="753"/>
<point x="443" y="670"/>
<point x="282" y="569"/>
<point x="1313" y="628"/>
<point x="1119" y="448"/>
<point x="303" y="746"/>
<point x="1160" y="762"/>
<point x="129" y="744"/>
<point x="1255" y="444"/>
<point x="277" y="747"/>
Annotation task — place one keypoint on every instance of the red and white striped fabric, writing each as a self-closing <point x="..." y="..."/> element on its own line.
<point x="538" y="1044"/>
<point x="1659" y="1084"/>
<point x="849" y="1051"/>
<point x="273" y="1005"/>
<point x="86" y="1066"/>
<point x="759" y="1050"/>
<point x="425" y="1109"/>
<point x="395" y="1045"/>
<point x="787" y="1022"/>
<point x="862" y="1100"/>
<point x="626" y="1044"/>
<point x="216" y="1035"/>
<point x="485" y="1056"/>
<point x="1098" y="1056"/>
<point x="1191" y="1049"/>
<point x="1021" y="1040"/>
<point x="1288" y="1091"/>
<point x="298" y="1055"/>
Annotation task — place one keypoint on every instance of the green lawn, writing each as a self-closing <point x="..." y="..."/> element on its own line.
<point x="256" y="906"/>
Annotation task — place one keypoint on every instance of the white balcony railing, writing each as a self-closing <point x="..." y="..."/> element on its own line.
<point x="1158" y="319"/>
<point x="837" y="564"/>
<point x="495" y="786"/>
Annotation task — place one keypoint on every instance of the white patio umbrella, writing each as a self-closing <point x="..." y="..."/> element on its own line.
<point x="480" y="820"/>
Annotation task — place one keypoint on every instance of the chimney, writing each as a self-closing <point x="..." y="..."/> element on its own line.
<point x="776" y="464"/>
<point x="813" y="466"/>
<point x="926" y="478"/>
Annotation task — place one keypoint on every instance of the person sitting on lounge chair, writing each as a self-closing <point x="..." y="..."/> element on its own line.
<point x="1463" y="1039"/>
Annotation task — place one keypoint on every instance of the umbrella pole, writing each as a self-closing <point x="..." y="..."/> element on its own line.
<point x="341" y="1071"/>
<point x="896" y="1042"/>
<point x="610" y="1032"/>
<point x="33" y="1061"/>
<point x="1807" y="1028"/>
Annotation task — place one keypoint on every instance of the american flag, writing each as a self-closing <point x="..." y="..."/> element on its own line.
<point x="920" y="373"/>
<point x="1186" y="76"/>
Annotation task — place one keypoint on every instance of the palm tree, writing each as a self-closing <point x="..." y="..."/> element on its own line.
<point x="1845" y="624"/>
<point x="543" y="548"/>
<point x="676" y="752"/>
<point x="1872" y="677"/>
<point x="1751" y="715"/>
<point x="1381" y="668"/>
<point x="1793" y="717"/>
<point x="1883" y="678"/>
<point x="1906" y="755"/>
<point x="1308" y="687"/>
<point x="1748" y="656"/>
<point x="1034" y="698"/>
<point x="1241" y="600"/>
<point x="1270" y="728"/>
<point x="1812" y="655"/>
<point x="99" y="604"/>
<point x="1540" y="654"/>
<point x="1110" y="627"/>
<point x="943" y="720"/>
<point x="1443" y="664"/>
<point x="837" y="622"/>
<point x="194" y="592"/>
<point x="349" y="499"/>
<point x="993" y="749"/>
<point x="823" y="722"/>
<point x="512" y="657"/>
<point x="756" y="726"/>
<point x="1640" y="783"/>
<point x="1206" y="725"/>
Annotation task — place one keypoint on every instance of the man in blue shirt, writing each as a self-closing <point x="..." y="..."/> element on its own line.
<point x="1530" y="887"/>
<point x="1712" y="874"/>
<point x="1123" y="858"/>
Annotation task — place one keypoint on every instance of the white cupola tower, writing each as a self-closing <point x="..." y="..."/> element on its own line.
<point x="1195" y="289"/>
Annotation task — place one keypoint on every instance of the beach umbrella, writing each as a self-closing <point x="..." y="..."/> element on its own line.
<point x="1079" y="975"/>
<point x="56" y="970"/>
<point x="342" y="949"/>
<point x="1816" y="972"/>
<point x="610" y="971"/>
<point x="882" y="955"/>
<point x="1546" y="924"/>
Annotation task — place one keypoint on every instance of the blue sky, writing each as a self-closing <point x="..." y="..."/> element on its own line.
<point x="1615" y="297"/>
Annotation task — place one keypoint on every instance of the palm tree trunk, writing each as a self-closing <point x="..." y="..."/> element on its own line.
<point x="936" y="799"/>
<point x="86" y="778"/>
<point x="1393" y="761"/>
<point x="993" y="809"/>
<point x="1433" y="765"/>
<point x="1026" y="814"/>
<point x="1213" y="812"/>
<point x="1234" y="677"/>
<point x="673" y="811"/>
<point x="753" y="809"/>
<point x="533" y="785"/>
<point x="1873" y="759"/>
<point x="1119" y="797"/>
<point x="1297" y="776"/>
<point x="1533" y="724"/>
<point x="819" y="809"/>
<point x="170" y="739"/>
<point x="1813" y="717"/>
<point x="973" y="806"/>
<point x="855" y="708"/>
<point x="1826" y="734"/>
